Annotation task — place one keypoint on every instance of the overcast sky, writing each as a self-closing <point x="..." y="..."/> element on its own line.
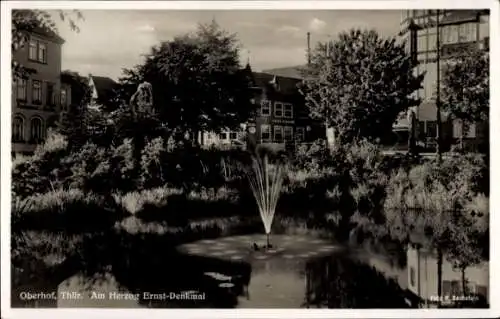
<point x="111" y="40"/>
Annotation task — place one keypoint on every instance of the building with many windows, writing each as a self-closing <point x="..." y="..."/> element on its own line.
<point x="460" y="30"/>
<point x="281" y="119"/>
<point x="39" y="97"/>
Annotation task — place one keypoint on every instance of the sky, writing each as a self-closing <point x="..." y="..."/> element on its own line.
<point x="110" y="40"/>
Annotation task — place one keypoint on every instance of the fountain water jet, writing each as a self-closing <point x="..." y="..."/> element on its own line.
<point x="266" y="182"/>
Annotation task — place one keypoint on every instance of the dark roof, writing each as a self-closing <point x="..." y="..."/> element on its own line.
<point x="460" y="16"/>
<point x="48" y="33"/>
<point x="287" y="85"/>
<point x="289" y="72"/>
<point x="104" y="85"/>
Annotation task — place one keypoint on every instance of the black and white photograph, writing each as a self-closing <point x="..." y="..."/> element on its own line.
<point x="246" y="158"/>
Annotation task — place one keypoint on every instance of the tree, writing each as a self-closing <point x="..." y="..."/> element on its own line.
<point x="26" y="21"/>
<point x="197" y="82"/>
<point x="71" y="121"/>
<point x="360" y="84"/>
<point x="465" y="92"/>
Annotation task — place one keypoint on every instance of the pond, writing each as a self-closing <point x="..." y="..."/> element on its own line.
<point x="297" y="272"/>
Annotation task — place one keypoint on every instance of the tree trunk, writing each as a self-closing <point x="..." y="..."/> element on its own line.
<point x="464" y="282"/>
<point x="268" y="242"/>
<point x="440" y="275"/>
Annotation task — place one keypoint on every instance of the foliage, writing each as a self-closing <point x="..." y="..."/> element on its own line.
<point x="440" y="207"/>
<point x="72" y="120"/>
<point x="72" y="211"/>
<point x="311" y="157"/>
<point x="90" y="169"/>
<point x="100" y="169"/>
<point x="176" y="207"/>
<point x="362" y="85"/>
<point x="202" y="85"/>
<point x="466" y="85"/>
<point x="153" y="164"/>
<point x="134" y="202"/>
<point x="36" y="174"/>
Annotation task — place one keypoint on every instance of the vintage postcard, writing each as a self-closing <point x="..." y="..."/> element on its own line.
<point x="251" y="159"/>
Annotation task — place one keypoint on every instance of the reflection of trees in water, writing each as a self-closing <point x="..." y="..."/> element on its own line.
<point x="142" y="267"/>
<point x="340" y="282"/>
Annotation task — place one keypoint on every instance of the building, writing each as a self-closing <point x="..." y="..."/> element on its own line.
<point x="294" y="72"/>
<point x="281" y="119"/>
<point x="39" y="97"/>
<point x="459" y="30"/>
<point x="103" y="89"/>
<point x="423" y="281"/>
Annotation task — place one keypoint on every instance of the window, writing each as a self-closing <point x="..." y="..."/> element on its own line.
<point x="64" y="99"/>
<point x="278" y="133"/>
<point x="33" y="50"/>
<point x="300" y="134"/>
<point x="422" y="43"/>
<point x="18" y="129"/>
<point x="36" y="129"/>
<point x="233" y="135"/>
<point x="37" y="92"/>
<point x="288" y="110"/>
<point x="51" y="97"/>
<point x="278" y="109"/>
<point x="38" y="51"/>
<point x="431" y="129"/>
<point x="223" y="136"/>
<point x="265" y="133"/>
<point x="468" y="32"/>
<point x="265" y="108"/>
<point x="453" y="36"/>
<point x="42" y="52"/>
<point x="21" y="89"/>
<point x="288" y="133"/>
<point x="449" y="34"/>
<point x="432" y="42"/>
<point x="486" y="43"/>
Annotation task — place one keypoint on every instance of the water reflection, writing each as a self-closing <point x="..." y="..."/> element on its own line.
<point x="339" y="280"/>
<point x="343" y="281"/>
<point x="305" y="273"/>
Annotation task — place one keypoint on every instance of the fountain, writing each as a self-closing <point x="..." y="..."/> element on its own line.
<point x="266" y="183"/>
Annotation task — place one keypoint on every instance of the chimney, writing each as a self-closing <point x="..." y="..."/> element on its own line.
<point x="308" y="48"/>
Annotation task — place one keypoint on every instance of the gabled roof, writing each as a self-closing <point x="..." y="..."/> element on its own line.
<point x="289" y="72"/>
<point x="286" y="85"/>
<point x="103" y="85"/>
